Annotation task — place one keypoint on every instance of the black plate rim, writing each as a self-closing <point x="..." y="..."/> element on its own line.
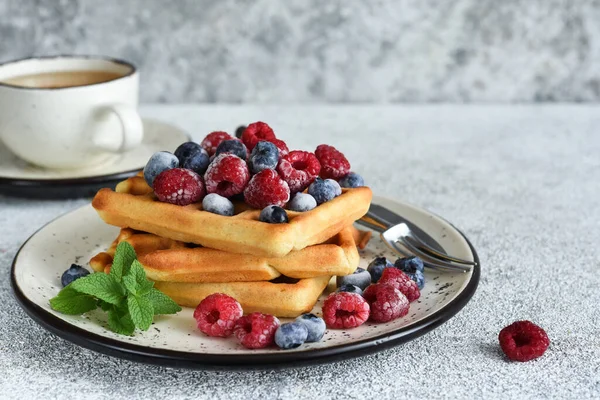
<point x="181" y="359"/>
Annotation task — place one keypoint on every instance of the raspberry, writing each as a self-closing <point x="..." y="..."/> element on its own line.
<point x="283" y="149"/>
<point x="345" y="310"/>
<point x="227" y="175"/>
<point x="256" y="330"/>
<point x="179" y="186"/>
<point x="217" y="314"/>
<point x="333" y="163"/>
<point x="256" y="132"/>
<point x="299" y="169"/>
<point x="523" y="341"/>
<point x="401" y="281"/>
<point x="213" y="140"/>
<point x="387" y="303"/>
<point x="267" y="188"/>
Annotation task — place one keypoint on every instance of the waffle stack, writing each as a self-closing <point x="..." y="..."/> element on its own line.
<point x="280" y="269"/>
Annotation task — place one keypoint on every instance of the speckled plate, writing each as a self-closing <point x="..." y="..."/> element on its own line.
<point x="175" y="341"/>
<point x="19" y="178"/>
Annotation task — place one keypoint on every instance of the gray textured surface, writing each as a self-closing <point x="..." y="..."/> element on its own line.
<point x="333" y="51"/>
<point x="522" y="182"/>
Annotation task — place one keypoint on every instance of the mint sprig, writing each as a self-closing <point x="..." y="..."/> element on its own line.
<point x="128" y="297"/>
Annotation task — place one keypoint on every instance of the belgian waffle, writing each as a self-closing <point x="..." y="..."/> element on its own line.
<point x="168" y="260"/>
<point x="133" y="205"/>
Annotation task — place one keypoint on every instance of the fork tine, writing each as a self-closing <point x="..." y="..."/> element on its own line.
<point x="427" y="257"/>
<point x="419" y="244"/>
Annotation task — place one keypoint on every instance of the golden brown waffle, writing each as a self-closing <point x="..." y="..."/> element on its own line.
<point x="133" y="205"/>
<point x="279" y="299"/>
<point x="173" y="261"/>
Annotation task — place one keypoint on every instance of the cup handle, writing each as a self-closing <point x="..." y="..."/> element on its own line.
<point x="132" y="129"/>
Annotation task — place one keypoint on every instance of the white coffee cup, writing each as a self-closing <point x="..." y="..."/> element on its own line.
<point x="62" y="112"/>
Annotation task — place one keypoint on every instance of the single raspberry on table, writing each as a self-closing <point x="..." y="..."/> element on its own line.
<point x="283" y="149"/>
<point x="345" y="310"/>
<point x="299" y="169"/>
<point x="334" y="164"/>
<point x="227" y="175"/>
<point x="256" y="132"/>
<point x="387" y="303"/>
<point x="256" y="330"/>
<point x="217" y="314"/>
<point x="213" y="140"/>
<point x="402" y="282"/>
<point x="179" y="186"/>
<point x="266" y="188"/>
<point x="523" y="341"/>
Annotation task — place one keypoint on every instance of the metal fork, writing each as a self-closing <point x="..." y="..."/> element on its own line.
<point x="401" y="239"/>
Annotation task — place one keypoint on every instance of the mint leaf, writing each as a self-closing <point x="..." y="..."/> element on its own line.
<point x="120" y="322"/>
<point x="105" y="306"/>
<point x="141" y="311"/>
<point x="135" y="281"/>
<point x="124" y="256"/>
<point x="162" y="303"/>
<point x="69" y="301"/>
<point x="103" y="286"/>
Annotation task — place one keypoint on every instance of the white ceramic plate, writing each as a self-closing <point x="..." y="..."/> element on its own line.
<point x="175" y="340"/>
<point x="19" y="178"/>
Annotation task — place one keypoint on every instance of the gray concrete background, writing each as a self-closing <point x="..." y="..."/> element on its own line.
<point x="327" y="51"/>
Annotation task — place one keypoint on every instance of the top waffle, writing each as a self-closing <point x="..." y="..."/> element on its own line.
<point x="133" y="205"/>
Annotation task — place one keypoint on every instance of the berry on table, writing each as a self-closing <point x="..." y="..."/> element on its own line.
<point x="266" y="188"/>
<point x="345" y="310"/>
<point x="523" y="341"/>
<point x="256" y="330"/>
<point x="322" y="190"/>
<point x="350" y="289"/>
<point x="376" y="268"/>
<point x="217" y="314"/>
<point x="360" y="278"/>
<point x="212" y="141"/>
<point x="352" y="180"/>
<point x="159" y="162"/>
<point x="291" y="335"/>
<point x="409" y="264"/>
<point x="273" y="215"/>
<point x="74" y="272"/>
<point x="333" y="163"/>
<point x="302" y="202"/>
<point x="281" y="146"/>
<point x="179" y="186"/>
<point x="217" y="204"/>
<point x="402" y="282"/>
<point x="256" y="132"/>
<point x="227" y="175"/>
<point x="239" y="130"/>
<point x="387" y="303"/>
<point x="315" y="325"/>
<point x="265" y="155"/>
<point x="299" y="169"/>
<point x="232" y="146"/>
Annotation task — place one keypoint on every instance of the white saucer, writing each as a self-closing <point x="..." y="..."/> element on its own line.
<point x="20" y="178"/>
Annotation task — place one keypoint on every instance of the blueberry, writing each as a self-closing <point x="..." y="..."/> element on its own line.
<point x="336" y="186"/>
<point x="322" y="190"/>
<point x="409" y="264"/>
<point x="234" y="147"/>
<point x="265" y="155"/>
<point x="74" y="272"/>
<point x="159" y="162"/>
<point x="377" y="266"/>
<point x="291" y="335"/>
<point x="238" y="132"/>
<point x="360" y="278"/>
<point x="273" y="215"/>
<point x="197" y="162"/>
<point x="315" y="326"/>
<point x="302" y="202"/>
<point x="350" y="289"/>
<point x="418" y="277"/>
<point x="217" y="204"/>
<point x="352" y="180"/>
<point x="186" y="150"/>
